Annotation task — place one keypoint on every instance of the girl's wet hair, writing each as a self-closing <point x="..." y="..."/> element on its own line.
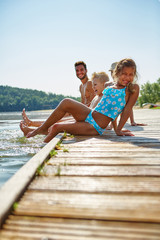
<point x="127" y="62"/>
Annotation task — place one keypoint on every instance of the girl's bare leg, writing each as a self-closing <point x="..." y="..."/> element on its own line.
<point x="76" y="128"/>
<point x="28" y="122"/>
<point x="78" y="110"/>
<point x="25" y="129"/>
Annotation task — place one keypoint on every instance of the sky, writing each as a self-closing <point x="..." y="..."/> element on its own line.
<point x="40" y="40"/>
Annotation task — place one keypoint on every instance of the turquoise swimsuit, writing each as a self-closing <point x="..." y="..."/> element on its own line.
<point x="111" y="105"/>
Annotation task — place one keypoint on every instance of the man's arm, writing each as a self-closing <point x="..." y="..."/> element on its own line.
<point x="89" y="93"/>
<point x="82" y="96"/>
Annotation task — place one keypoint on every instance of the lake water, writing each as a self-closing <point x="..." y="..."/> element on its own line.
<point x="15" y="149"/>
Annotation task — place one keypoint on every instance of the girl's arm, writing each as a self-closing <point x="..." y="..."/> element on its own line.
<point x="114" y="124"/>
<point x="133" y="123"/>
<point x="127" y="111"/>
<point x="125" y="132"/>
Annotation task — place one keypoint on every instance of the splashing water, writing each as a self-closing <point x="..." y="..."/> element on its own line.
<point x="15" y="149"/>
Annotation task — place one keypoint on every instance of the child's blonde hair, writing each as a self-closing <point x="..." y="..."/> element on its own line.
<point x="101" y="76"/>
<point x="126" y="62"/>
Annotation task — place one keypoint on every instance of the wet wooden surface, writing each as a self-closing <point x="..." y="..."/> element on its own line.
<point x="104" y="187"/>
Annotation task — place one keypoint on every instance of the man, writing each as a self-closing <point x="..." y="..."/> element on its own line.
<point x="86" y="90"/>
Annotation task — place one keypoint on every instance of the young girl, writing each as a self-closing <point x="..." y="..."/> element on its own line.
<point x="132" y="121"/>
<point x="117" y="98"/>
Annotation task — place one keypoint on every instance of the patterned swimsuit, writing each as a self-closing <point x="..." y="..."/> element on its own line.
<point x="111" y="105"/>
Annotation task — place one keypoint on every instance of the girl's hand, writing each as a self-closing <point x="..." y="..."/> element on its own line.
<point x="126" y="130"/>
<point x="124" y="133"/>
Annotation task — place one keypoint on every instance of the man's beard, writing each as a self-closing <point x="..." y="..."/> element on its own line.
<point x="83" y="77"/>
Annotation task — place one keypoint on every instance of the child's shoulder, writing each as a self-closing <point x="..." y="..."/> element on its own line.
<point x="135" y="87"/>
<point x="89" y="84"/>
<point x="108" y="84"/>
<point x="134" y="91"/>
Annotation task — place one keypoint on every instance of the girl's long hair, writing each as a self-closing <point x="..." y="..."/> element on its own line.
<point x="126" y="62"/>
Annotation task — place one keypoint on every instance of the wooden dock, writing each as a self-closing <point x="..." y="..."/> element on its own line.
<point x="104" y="187"/>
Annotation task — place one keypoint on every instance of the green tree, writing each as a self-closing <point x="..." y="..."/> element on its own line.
<point x="150" y="93"/>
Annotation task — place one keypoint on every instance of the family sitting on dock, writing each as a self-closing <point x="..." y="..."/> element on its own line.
<point x="92" y="119"/>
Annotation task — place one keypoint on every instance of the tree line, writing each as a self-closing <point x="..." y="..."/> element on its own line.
<point x="15" y="99"/>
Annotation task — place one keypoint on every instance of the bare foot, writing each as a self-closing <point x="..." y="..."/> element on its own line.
<point x="37" y="131"/>
<point x="26" y="120"/>
<point x="32" y="133"/>
<point x="25" y="129"/>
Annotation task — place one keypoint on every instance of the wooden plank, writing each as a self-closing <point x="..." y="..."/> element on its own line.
<point x="50" y="170"/>
<point x="112" y="154"/>
<point x="79" y="229"/>
<point x="103" y="161"/>
<point x="108" y="148"/>
<point x="97" y="184"/>
<point x="39" y="234"/>
<point x="126" y="139"/>
<point x="120" y="207"/>
<point x="109" y="145"/>
<point x="132" y="140"/>
<point x="82" y="223"/>
<point x="140" y="137"/>
<point x="126" y="150"/>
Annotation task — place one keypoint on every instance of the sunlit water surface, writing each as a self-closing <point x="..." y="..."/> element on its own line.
<point x="15" y="149"/>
